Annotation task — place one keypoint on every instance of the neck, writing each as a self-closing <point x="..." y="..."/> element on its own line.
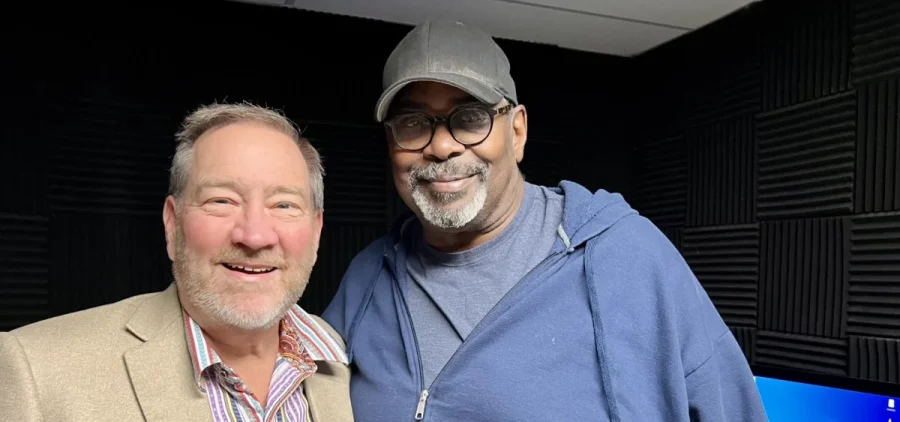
<point x="234" y="344"/>
<point x="492" y="225"/>
<point x="239" y="345"/>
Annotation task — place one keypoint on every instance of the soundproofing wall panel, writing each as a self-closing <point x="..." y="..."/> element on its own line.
<point x="791" y="217"/>
<point x="877" y="149"/>
<point x="746" y="338"/>
<point x="721" y="187"/>
<point x="662" y="187"/>
<point x="803" y="279"/>
<point x="875" y="358"/>
<point x="24" y="259"/>
<point x="725" y="260"/>
<point x="807" y="52"/>
<point x="355" y="178"/>
<point x="876" y="40"/>
<point x="806" y="158"/>
<point x="875" y="275"/>
<point x="109" y="157"/>
<point x="808" y="353"/>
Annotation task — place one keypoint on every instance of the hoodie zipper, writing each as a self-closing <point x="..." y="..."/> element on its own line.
<point x="420" y="378"/>
<point x="423" y="396"/>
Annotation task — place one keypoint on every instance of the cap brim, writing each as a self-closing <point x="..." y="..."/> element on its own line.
<point x="472" y="86"/>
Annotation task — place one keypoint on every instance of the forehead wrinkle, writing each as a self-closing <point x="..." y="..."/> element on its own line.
<point x="239" y="187"/>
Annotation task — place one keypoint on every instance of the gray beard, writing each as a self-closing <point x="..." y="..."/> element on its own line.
<point x="212" y="297"/>
<point x="437" y="207"/>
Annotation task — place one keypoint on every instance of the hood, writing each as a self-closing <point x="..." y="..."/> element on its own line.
<point x="588" y="214"/>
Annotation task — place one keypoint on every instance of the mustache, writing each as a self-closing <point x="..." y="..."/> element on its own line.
<point x="432" y="171"/>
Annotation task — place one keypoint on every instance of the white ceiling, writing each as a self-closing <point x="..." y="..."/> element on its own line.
<point x="617" y="27"/>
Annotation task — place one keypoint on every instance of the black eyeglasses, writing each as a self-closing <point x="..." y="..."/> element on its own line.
<point x="468" y="125"/>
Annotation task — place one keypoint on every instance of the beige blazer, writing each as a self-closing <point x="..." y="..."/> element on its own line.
<point x="127" y="361"/>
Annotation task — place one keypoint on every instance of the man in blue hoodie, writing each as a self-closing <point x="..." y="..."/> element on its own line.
<point x="500" y="300"/>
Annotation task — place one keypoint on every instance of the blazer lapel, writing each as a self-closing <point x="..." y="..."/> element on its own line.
<point x="327" y="392"/>
<point x="160" y="369"/>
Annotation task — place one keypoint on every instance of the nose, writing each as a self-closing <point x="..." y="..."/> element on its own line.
<point x="255" y="230"/>
<point x="443" y="147"/>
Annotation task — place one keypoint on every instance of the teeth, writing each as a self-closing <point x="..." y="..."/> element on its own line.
<point x="252" y="270"/>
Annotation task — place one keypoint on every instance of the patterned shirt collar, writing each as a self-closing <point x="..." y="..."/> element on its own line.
<point x="314" y="340"/>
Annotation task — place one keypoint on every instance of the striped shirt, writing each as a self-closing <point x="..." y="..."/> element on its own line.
<point x="303" y="342"/>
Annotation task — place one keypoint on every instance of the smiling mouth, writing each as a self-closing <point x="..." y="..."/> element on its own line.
<point x="249" y="269"/>
<point x="451" y="178"/>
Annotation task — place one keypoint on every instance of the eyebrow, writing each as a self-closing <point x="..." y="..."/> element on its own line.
<point x="236" y="187"/>
<point x="286" y="190"/>
<point x="213" y="184"/>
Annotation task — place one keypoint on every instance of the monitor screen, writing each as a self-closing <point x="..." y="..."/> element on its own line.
<point x="807" y="400"/>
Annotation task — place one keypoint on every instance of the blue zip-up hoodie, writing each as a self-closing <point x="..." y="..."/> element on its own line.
<point x="612" y="325"/>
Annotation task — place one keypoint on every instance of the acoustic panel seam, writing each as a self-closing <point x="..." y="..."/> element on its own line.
<point x="809" y="353"/>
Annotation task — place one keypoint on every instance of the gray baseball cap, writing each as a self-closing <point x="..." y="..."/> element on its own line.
<point x="449" y="52"/>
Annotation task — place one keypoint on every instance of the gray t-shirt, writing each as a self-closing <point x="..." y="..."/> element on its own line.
<point x="451" y="292"/>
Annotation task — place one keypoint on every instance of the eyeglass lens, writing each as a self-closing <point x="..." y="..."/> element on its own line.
<point x="468" y="126"/>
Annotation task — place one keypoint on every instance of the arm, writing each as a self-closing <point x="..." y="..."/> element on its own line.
<point x="722" y="388"/>
<point x="664" y="325"/>
<point x="720" y="385"/>
<point x="18" y="395"/>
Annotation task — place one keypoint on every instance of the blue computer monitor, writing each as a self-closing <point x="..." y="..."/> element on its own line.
<point x="797" y="396"/>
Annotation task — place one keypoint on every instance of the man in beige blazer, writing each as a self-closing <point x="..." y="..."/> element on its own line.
<point x="224" y="342"/>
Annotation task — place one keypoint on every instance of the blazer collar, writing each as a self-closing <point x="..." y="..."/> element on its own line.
<point x="160" y="368"/>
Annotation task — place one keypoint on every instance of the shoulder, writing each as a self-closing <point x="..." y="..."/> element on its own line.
<point x="649" y="266"/>
<point x="83" y="339"/>
<point x="634" y="233"/>
<point x="83" y="324"/>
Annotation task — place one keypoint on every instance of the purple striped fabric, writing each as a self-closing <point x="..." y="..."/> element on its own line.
<point x="303" y="342"/>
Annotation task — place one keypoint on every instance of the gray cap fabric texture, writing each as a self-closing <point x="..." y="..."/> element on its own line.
<point x="449" y="52"/>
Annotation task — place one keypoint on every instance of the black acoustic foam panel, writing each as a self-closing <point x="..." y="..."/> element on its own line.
<point x="791" y="216"/>
<point x="662" y="175"/>
<point x="722" y="173"/>
<point x="806" y="158"/>
<point x="725" y="260"/>
<point x="876" y="40"/>
<point x="803" y="277"/>
<point x="877" y="150"/>
<point x="24" y="290"/>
